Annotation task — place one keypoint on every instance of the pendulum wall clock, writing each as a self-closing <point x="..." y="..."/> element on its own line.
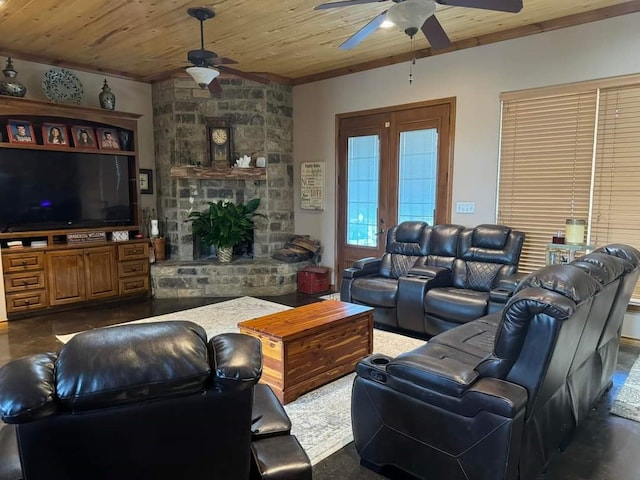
<point x="219" y="140"/>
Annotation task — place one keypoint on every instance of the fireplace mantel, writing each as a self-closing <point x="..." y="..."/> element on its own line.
<point x="218" y="173"/>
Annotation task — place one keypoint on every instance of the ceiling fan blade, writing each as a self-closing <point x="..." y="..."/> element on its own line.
<point x="435" y="34"/>
<point x="245" y="75"/>
<point x="215" y="88"/>
<point x="215" y="61"/>
<point x="364" y="32"/>
<point x="345" y="3"/>
<point x="513" y="6"/>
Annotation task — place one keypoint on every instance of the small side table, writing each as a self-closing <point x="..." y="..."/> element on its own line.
<point x="558" y="253"/>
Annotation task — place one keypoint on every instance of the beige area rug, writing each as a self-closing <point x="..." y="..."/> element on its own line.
<point x="322" y="418"/>
<point x="627" y="403"/>
<point x="331" y="296"/>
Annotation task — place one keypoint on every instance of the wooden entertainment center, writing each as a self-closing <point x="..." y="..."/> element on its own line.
<point x="61" y="273"/>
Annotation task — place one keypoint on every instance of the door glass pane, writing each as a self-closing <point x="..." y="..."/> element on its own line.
<point x="363" y="167"/>
<point x="417" y="182"/>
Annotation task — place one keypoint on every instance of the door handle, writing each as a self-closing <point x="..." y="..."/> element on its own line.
<point x="382" y="230"/>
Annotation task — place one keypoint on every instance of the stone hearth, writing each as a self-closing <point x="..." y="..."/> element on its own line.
<point x="262" y="125"/>
<point x="252" y="277"/>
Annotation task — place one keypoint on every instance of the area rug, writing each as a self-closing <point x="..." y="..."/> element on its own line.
<point x="321" y="419"/>
<point x="627" y="403"/>
<point x="331" y="296"/>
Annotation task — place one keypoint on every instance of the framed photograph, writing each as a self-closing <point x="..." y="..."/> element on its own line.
<point x="21" y="131"/>
<point x="84" y="137"/>
<point x="108" y="138"/>
<point x="126" y="140"/>
<point x="55" y="134"/>
<point x="219" y="141"/>
<point x="146" y="180"/>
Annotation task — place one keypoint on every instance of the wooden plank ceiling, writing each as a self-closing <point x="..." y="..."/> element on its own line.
<point x="144" y="39"/>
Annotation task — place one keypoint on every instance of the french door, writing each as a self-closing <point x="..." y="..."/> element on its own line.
<point x="394" y="165"/>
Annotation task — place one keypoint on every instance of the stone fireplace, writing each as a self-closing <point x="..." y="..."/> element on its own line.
<point x="261" y="120"/>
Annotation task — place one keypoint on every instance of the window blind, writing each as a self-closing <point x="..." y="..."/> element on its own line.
<point x="546" y="156"/>
<point x="615" y="214"/>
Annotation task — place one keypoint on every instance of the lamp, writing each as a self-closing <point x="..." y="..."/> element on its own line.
<point x="410" y="15"/>
<point x="203" y="76"/>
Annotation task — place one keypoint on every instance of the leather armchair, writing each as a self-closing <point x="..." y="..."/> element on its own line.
<point x="151" y="400"/>
<point x="495" y="398"/>
<point x="374" y="281"/>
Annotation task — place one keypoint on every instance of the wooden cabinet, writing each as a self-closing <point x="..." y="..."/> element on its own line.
<point x="74" y="274"/>
<point x="133" y="268"/>
<point x="24" y="281"/>
<point x="65" y="273"/>
<point x="101" y="272"/>
<point x="81" y="274"/>
<point x="62" y="274"/>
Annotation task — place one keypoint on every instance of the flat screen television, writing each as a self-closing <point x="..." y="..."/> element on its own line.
<point x="49" y="190"/>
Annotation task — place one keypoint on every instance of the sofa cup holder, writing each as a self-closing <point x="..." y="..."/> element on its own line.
<point x="380" y="361"/>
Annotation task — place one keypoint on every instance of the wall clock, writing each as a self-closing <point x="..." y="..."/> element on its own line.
<point x="219" y="140"/>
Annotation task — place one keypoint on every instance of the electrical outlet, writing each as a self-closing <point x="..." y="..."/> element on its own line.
<point x="465" y="207"/>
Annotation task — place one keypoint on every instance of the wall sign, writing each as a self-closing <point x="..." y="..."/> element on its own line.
<point x="312" y="186"/>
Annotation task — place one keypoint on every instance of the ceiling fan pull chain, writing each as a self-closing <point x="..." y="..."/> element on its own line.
<point x="413" y="60"/>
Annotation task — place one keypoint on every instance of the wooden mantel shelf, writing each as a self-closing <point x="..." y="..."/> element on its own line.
<point x="221" y="173"/>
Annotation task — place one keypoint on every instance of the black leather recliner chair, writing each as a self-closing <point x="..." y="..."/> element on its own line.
<point x="374" y="281"/>
<point x="151" y="400"/>
<point x="495" y="398"/>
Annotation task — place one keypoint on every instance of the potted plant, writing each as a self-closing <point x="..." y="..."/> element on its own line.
<point x="225" y="224"/>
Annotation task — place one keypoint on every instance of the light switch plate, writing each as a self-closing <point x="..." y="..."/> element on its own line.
<point x="465" y="207"/>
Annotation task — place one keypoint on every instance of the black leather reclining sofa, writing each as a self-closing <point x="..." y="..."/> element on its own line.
<point x="433" y="278"/>
<point x="495" y="398"/>
<point x="147" y="401"/>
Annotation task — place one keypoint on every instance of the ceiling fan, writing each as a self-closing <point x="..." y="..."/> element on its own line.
<point x="207" y="65"/>
<point x="414" y="15"/>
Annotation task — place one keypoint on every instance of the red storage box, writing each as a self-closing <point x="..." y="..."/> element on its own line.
<point x="313" y="279"/>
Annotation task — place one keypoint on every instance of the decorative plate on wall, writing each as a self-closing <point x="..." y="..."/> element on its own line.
<point x="62" y="86"/>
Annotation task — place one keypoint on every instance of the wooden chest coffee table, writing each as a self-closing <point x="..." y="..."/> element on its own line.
<point x="309" y="346"/>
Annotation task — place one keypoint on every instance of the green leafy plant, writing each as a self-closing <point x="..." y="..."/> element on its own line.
<point x="225" y="224"/>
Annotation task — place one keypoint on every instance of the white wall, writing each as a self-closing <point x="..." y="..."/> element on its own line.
<point x="476" y="77"/>
<point x="133" y="97"/>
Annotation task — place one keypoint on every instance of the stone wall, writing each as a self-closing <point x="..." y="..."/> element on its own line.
<point x="261" y="119"/>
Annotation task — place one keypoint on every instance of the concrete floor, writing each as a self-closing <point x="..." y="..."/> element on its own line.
<point x="604" y="448"/>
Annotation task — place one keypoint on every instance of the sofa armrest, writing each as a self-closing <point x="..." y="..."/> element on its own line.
<point x="511" y="282"/>
<point x="27" y="388"/>
<point x="10" y="465"/>
<point x="430" y="272"/>
<point x="445" y="383"/>
<point x="362" y="268"/>
<point x="237" y="361"/>
<point x="268" y="417"/>
<point x="411" y="292"/>
<point x="445" y="375"/>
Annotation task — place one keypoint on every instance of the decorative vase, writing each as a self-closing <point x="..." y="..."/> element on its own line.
<point x="106" y="97"/>
<point x="155" y="231"/>
<point x="10" y="85"/>
<point x="225" y="254"/>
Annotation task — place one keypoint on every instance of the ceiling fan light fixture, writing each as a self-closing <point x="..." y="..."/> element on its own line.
<point x="203" y="76"/>
<point x="410" y="15"/>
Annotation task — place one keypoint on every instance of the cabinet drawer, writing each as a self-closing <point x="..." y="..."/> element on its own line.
<point x="19" y="282"/>
<point x="20" y="302"/>
<point x="133" y="268"/>
<point x="133" y="251"/>
<point x="134" y="285"/>
<point x="20" y="262"/>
